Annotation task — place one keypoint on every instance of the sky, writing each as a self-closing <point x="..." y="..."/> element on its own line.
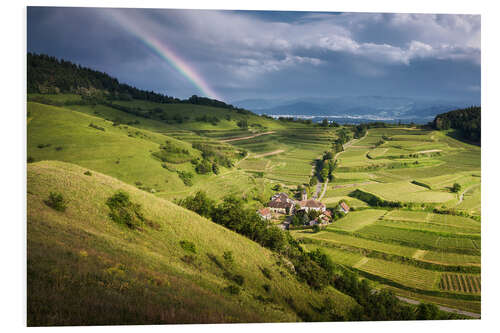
<point x="237" y="55"/>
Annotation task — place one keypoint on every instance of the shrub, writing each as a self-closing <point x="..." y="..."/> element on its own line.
<point x="56" y="201"/>
<point x="232" y="289"/>
<point x="239" y="279"/>
<point x="456" y="188"/>
<point x="228" y="257"/>
<point x="316" y="228"/>
<point x="97" y="127"/>
<point x="87" y="173"/>
<point x="188" y="246"/>
<point x="186" y="177"/>
<point x="266" y="272"/>
<point x="123" y="211"/>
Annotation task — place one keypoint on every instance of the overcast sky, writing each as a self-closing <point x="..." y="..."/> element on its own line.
<point x="248" y="54"/>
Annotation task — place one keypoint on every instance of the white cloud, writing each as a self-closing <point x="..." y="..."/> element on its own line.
<point x="249" y="45"/>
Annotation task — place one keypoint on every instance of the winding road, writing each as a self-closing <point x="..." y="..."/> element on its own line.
<point x="443" y="308"/>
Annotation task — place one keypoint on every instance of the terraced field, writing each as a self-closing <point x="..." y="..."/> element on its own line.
<point x="414" y="252"/>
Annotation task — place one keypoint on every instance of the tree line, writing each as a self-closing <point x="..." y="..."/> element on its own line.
<point x="314" y="268"/>
<point x="467" y="121"/>
<point x="50" y="75"/>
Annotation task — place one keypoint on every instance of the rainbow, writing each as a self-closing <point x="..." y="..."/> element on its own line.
<point x="165" y="53"/>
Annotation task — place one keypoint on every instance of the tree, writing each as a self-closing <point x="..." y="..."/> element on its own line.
<point x="215" y="168"/>
<point x="277" y="187"/>
<point x="200" y="203"/>
<point x="324" y="123"/>
<point x="313" y="214"/>
<point x="456" y="188"/>
<point x="242" y="123"/>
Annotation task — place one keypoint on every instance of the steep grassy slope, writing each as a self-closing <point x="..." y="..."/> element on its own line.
<point x="119" y="151"/>
<point x="83" y="268"/>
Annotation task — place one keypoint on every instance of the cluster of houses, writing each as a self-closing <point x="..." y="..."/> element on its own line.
<point x="282" y="204"/>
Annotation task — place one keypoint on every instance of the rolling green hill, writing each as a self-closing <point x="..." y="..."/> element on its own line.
<point x="84" y="268"/>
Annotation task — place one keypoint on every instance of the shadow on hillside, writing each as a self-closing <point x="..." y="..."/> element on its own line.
<point x="457" y="135"/>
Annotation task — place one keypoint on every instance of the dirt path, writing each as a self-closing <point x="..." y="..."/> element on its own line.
<point x="318" y="188"/>
<point x="279" y="151"/>
<point x="428" y="151"/>
<point x="461" y="198"/>
<point x="443" y="308"/>
<point x="324" y="190"/>
<point x="247" y="137"/>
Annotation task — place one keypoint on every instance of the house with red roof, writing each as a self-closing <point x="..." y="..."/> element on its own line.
<point x="343" y="207"/>
<point x="265" y="213"/>
<point x="312" y="204"/>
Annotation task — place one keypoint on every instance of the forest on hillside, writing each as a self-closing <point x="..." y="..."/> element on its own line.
<point x="49" y="75"/>
<point x="467" y="121"/>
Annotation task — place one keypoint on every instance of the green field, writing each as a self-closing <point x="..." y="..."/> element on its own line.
<point x="407" y="250"/>
<point x="413" y="251"/>
<point x="358" y="220"/>
<point x="131" y="276"/>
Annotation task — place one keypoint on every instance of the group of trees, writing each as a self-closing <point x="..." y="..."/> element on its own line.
<point x="360" y="130"/>
<point x="301" y="217"/>
<point x="205" y="166"/>
<point x="314" y="268"/>
<point x="343" y="137"/>
<point x="47" y="74"/>
<point x="214" y="154"/>
<point x="325" y="167"/>
<point x="467" y="121"/>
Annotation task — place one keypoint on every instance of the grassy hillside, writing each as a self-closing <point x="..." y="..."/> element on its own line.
<point x="56" y="133"/>
<point x="83" y="268"/>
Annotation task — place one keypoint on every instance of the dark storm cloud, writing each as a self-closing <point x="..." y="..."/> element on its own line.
<point x="268" y="54"/>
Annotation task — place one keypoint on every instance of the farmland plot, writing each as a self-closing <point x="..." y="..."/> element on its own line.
<point x="419" y="239"/>
<point x="360" y="243"/>
<point x="357" y="220"/>
<point x="437" y="227"/>
<point x="403" y="274"/>
<point x="463" y="283"/>
<point x="407" y="192"/>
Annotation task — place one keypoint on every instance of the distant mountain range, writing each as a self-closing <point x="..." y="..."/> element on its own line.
<point x="354" y="108"/>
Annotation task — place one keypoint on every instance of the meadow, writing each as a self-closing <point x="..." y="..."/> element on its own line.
<point x="411" y="250"/>
<point x="126" y="276"/>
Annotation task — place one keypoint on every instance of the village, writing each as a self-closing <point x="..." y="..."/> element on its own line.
<point x="301" y="213"/>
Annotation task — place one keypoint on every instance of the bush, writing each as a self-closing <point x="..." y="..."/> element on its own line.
<point x="316" y="228"/>
<point x="186" y="177"/>
<point x="228" y="257"/>
<point x="232" y="289"/>
<point x="56" y="201"/>
<point x="456" y="188"/>
<point x="97" y="127"/>
<point x="123" y="211"/>
<point x="239" y="279"/>
<point x="188" y="246"/>
<point x="87" y="173"/>
<point x="266" y="272"/>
